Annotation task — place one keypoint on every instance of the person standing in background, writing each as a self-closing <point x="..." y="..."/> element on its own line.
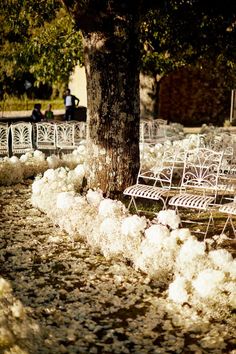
<point x="70" y="102"/>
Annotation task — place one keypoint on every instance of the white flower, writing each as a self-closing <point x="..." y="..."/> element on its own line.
<point x="169" y="218"/>
<point x="109" y="208"/>
<point x="181" y="234"/>
<point x="80" y="170"/>
<point x="49" y="174"/>
<point x="24" y="157"/>
<point x="14" y="159"/>
<point x="208" y="282"/>
<point x="109" y="226"/>
<point x="94" y="197"/>
<point x="156" y="233"/>
<point x="177" y="291"/>
<point x="37" y="186"/>
<point x="39" y="155"/>
<point x="133" y="225"/>
<point x="221" y="257"/>
<point x="191" y="249"/>
<point x="53" y="161"/>
<point x="65" y="200"/>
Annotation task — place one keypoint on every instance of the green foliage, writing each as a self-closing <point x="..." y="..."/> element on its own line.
<point x="57" y="48"/>
<point x="24" y="104"/>
<point x="37" y="42"/>
<point x="188" y="32"/>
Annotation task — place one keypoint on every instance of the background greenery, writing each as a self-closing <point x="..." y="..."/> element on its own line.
<point x="25" y="104"/>
<point x="40" y="45"/>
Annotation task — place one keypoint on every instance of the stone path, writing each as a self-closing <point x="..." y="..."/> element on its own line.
<point x="83" y="302"/>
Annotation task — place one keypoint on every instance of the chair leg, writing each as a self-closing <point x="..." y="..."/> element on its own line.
<point x="211" y="220"/>
<point x="229" y="220"/>
<point x="226" y="223"/>
<point x="164" y="203"/>
<point x="132" y="201"/>
<point x="177" y="212"/>
<point x="232" y="225"/>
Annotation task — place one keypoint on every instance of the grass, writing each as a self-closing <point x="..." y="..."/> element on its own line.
<point x="24" y="104"/>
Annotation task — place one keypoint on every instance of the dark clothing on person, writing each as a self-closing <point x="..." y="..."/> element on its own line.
<point x="37" y="115"/>
<point x="70" y="104"/>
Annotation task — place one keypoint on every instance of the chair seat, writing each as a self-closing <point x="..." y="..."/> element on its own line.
<point x="191" y="201"/>
<point x="22" y="150"/>
<point x="66" y="147"/>
<point x="50" y="146"/>
<point x="146" y="191"/>
<point x="226" y="187"/>
<point x="229" y="208"/>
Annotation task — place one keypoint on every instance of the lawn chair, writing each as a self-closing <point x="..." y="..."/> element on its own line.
<point x="65" y="136"/>
<point x="199" y="185"/>
<point x="160" y="129"/>
<point x="153" y="184"/>
<point x="80" y="131"/>
<point x="4" y="139"/>
<point x="46" y="136"/>
<point x="21" y="135"/>
<point x="146" y="131"/>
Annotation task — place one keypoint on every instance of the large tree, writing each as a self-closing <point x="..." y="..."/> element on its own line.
<point x="112" y="60"/>
<point x="183" y="32"/>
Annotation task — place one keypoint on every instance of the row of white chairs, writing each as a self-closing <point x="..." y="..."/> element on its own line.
<point x="203" y="185"/>
<point x="158" y="130"/>
<point x="61" y="135"/>
<point x="22" y="137"/>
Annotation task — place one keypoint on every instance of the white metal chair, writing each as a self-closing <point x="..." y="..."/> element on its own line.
<point x="21" y="135"/>
<point x="146" y="128"/>
<point x="4" y="139"/>
<point x="80" y="131"/>
<point x="65" y="136"/>
<point x="46" y="136"/>
<point x="199" y="185"/>
<point x="154" y="184"/>
<point x="159" y="130"/>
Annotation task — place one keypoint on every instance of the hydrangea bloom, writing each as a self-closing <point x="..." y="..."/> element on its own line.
<point x="109" y="207"/>
<point x="94" y="197"/>
<point x="208" y="282"/>
<point x="169" y="218"/>
<point x="177" y="290"/>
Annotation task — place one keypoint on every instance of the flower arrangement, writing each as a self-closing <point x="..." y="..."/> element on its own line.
<point x="14" y="170"/>
<point x="175" y="259"/>
<point x="169" y="254"/>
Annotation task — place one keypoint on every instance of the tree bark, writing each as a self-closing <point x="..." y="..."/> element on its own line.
<point x="111" y="63"/>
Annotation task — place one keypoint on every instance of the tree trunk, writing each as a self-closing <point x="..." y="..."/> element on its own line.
<point x="113" y="108"/>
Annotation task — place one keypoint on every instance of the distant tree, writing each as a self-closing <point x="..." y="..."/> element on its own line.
<point x="198" y="35"/>
<point x="187" y="32"/>
<point x="37" y="41"/>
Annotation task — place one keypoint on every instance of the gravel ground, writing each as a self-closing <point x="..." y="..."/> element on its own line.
<point x="83" y="302"/>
